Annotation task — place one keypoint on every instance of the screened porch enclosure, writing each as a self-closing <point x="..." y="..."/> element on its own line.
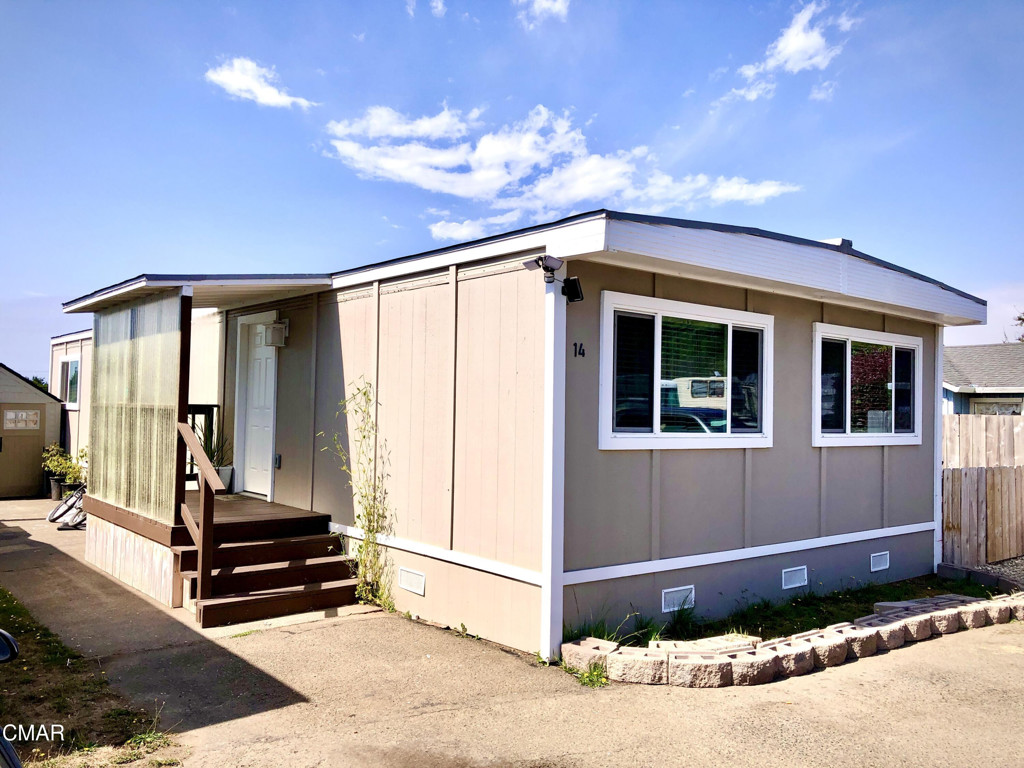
<point x="137" y="384"/>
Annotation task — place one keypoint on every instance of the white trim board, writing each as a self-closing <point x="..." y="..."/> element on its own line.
<point x="514" y="572"/>
<point x="553" y="458"/>
<point x="937" y="440"/>
<point x="607" y="572"/>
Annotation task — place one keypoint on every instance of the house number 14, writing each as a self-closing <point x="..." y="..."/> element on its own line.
<point x="578" y="350"/>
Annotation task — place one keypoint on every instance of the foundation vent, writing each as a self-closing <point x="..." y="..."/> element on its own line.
<point x="880" y="561"/>
<point x="676" y="598"/>
<point x="794" y="577"/>
<point x="412" y="581"/>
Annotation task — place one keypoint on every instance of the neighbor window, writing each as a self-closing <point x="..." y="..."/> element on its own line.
<point x="677" y="375"/>
<point x="867" y="387"/>
<point x="69" y="381"/>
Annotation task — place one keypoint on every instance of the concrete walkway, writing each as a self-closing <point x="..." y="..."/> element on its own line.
<point x="376" y="689"/>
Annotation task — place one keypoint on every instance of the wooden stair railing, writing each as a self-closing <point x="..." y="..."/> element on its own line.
<point x="210" y="485"/>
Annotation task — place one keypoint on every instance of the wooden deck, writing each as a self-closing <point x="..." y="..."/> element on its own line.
<point x="235" y="508"/>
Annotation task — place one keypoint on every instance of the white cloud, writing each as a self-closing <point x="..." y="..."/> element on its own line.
<point x="437" y="8"/>
<point x="539" y="166"/>
<point x="360" y="37"/>
<point x="536" y="11"/>
<point x="823" y="91"/>
<point x="759" y="89"/>
<point x="384" y="122"/>
<point x="245" y="79"/>
<point x="410" y="7"/>
<point x="471" y="229"/>
<point x="801" y="46"/>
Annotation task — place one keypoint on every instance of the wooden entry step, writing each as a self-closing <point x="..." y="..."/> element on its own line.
<point x="266" y="604"/>
<point x="235" y="553"/>
<point x="277" y="575"/>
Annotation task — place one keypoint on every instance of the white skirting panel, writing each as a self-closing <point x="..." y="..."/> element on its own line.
<point x="131" y="558"/>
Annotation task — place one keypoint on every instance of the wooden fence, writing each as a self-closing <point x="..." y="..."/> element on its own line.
<point x="982" y="514"/>
<point x="982" y="441"/>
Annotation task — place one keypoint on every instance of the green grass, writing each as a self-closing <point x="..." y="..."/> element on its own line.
<point x="765" y="619"/>
<point x="51" y="683"/>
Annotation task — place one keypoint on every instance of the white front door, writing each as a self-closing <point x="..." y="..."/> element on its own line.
<point x="260" y="396"/>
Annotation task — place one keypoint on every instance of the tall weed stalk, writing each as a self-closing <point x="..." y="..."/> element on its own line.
<point x="366" y="463"/>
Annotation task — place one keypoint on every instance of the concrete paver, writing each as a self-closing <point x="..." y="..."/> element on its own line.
<point x="377" y="689"/>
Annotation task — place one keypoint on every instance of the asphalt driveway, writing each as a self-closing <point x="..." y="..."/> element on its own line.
<point x="377" y="689"/>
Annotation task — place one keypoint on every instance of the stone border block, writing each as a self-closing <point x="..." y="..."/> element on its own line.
<point x="916" y="626"/>
<point x="699" y="670"/>
<point x="796" y="657"/>
<point x="638" y="665"/>
<point x="753" y="667"/>
<point x="891" y="631"/>
<point x="828" y="648"/>
<point x="861" y="642"/>
<point x="580" y="654"/>
<point x="972" y="616"/>
<point x="946" y="621"/>
<point x="996" y="611"/>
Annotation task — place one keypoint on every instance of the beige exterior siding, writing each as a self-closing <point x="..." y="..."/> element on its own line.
<point x="21" y="472"/>
<point x="499" y="417"/>
<point x="346" y="352"/>
<point x="416" y="405"/>
<point x="494" y="607"/>
<point x="657" y="504"/>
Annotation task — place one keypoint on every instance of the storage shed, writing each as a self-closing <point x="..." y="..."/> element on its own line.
<point x="29" y="421"/>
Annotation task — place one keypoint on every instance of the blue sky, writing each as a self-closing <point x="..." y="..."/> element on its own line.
<point x="314" y="136"/>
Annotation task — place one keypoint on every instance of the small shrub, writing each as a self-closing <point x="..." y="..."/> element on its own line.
<point x="682" y="623"/>
<point x="594" y="676"/>
<point x="646" y="630"/>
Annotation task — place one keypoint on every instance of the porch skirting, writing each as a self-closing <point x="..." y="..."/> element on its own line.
<point x="136" y="560"/>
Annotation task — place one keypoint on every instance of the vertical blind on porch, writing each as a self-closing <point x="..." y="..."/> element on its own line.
<point x="133" y="428"/>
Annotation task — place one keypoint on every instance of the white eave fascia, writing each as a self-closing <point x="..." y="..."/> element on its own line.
<point x="188" y="286"/>
<point x="820" y="274"/>
<point x="69" y="337"/>
<point x="563" y="241"/>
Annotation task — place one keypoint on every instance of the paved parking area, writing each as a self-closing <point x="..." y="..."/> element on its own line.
<point x="376" y="689"/>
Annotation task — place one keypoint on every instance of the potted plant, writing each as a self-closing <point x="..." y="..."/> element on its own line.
<point x="74" y="474"/>
<point x="55" y="463"/>
<point x="217" y="448"/>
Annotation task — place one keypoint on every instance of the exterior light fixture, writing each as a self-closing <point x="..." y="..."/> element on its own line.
<point x="549" y="264"/>
<point x="571" y="287"/>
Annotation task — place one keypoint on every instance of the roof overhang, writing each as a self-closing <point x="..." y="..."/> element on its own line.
<point x="791" y="266"/>
<point x="220" y="291"/>
<point x="967" y="389"/>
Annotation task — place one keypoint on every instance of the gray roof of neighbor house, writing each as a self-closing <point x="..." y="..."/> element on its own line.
<point x="984" y="367"/>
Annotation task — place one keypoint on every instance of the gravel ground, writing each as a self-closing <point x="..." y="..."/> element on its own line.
<point x="1012" y="569"/>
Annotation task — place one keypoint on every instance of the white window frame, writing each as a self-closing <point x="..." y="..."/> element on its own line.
<point x="609" y="440"/>
<point x="821" y="439"/>
<point x="71" y="406"/>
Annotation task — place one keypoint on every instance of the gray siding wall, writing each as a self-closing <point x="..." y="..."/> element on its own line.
<point x="628" y="506"/>
<point x="722" y="588"/>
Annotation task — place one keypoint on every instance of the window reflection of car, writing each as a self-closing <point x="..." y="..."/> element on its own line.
<point x="679" y="418"/>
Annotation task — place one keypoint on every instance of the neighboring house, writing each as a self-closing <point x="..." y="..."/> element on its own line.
<point x="729" y="414"/>
<point x="984" y="379"/>
<point x="29" y="421"/>
<point x="70" y="381"/>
